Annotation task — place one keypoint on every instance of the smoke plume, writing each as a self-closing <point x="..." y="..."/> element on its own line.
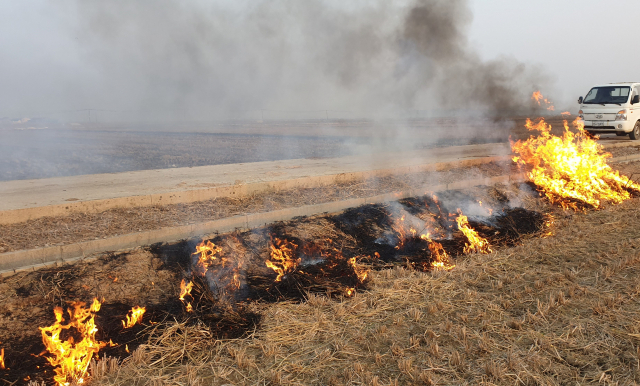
<point x="201" y="60"/>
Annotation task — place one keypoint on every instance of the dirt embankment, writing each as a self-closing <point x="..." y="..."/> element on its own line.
<point x="63" y="230"/>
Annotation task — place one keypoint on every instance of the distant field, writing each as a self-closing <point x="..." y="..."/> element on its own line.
<point x="91" y="149"/>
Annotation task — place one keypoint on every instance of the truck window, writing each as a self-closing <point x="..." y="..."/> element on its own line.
<point x="607" y="94"/>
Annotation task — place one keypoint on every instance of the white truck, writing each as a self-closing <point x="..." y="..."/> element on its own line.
<point x="612" y="108"/>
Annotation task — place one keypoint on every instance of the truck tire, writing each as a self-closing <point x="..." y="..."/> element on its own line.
<point x="635" y="133"/>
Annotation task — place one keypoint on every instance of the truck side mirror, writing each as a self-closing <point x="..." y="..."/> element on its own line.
<point x="580" y="100"/>
<point x="635" y="99"/>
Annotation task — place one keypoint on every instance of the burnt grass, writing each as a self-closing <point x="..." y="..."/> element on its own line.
<point x="324" y="243"/>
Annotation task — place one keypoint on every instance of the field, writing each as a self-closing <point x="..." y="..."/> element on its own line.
<point x="556" y="302"/>
<point x="556" y="306"/>
<point x="91" y="148"/>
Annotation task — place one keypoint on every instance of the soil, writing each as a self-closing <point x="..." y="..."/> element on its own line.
<point x="624" y="151"/>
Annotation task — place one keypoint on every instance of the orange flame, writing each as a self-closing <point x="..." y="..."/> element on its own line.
<point x="185" y="289"/>
<point x="571" y="168"/>
<point x="476" y="243"/>
<point x="565" y="113"/>
<point x="360" y="272"/>
<point x="2" y="367"/>
<point x="549" y="223"/>
<point x="440" y="257"/>
<point x="136" y="317"/>
<point x="221" y="269"/>
<point x="537" y="96"/>
<point x="72" y="358"/>
<point x="208" y="252"/>
<point x="282" y="257"/>
<point x="406" y="231"/>
<point x="400" y="228"/>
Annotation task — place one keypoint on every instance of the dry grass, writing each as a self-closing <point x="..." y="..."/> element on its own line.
<point x="554" y="311"/>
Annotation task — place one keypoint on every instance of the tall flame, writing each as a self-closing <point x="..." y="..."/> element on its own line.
<point x="136" y="317"/>
<point x="282" y="257"/>
<point x="571" y="168"/>
<point x="440" y="257"/>
<point x="2" y="366"/>
<point x="72" y="359"/>
<point x="476" y="243"/>
<point x="185" y="289"/>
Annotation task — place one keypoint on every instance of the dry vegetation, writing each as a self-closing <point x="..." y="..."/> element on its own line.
<point x="553" y="311"/>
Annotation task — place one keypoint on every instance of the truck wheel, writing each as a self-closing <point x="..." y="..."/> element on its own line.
<point x="635" y="134"/>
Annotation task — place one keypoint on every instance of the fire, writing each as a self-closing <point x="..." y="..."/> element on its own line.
<point x="223" y="271"/>
<point x="2" y="366"/>
<point x="72" y="359"/>
<point x="476" y="243"/>
<point x="136" y="317"/>
<point x="404" y="231"/>
<point x="549" y="223"/>
<point x="537" y="96"/>
<point x="360" y="272"/>
<point x="565" y="113"/>
<point x="185" y="289"/>
<point x="440" y="257"/>
<point x="407" y="228"/>
<point x="282" y="257"/>
<point x="571" y="168"/>
<point x="208" y="255"/>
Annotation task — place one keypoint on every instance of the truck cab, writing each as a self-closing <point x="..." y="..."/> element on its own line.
<point x="612" y="108"/>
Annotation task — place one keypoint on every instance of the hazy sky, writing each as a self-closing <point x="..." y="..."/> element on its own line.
<point x="49" y="61"/>
<point x="580" y="42"/>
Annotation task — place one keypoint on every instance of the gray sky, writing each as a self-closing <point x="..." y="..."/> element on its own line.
<point x="565" y="36"/>
<point x="65" y="55"/>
